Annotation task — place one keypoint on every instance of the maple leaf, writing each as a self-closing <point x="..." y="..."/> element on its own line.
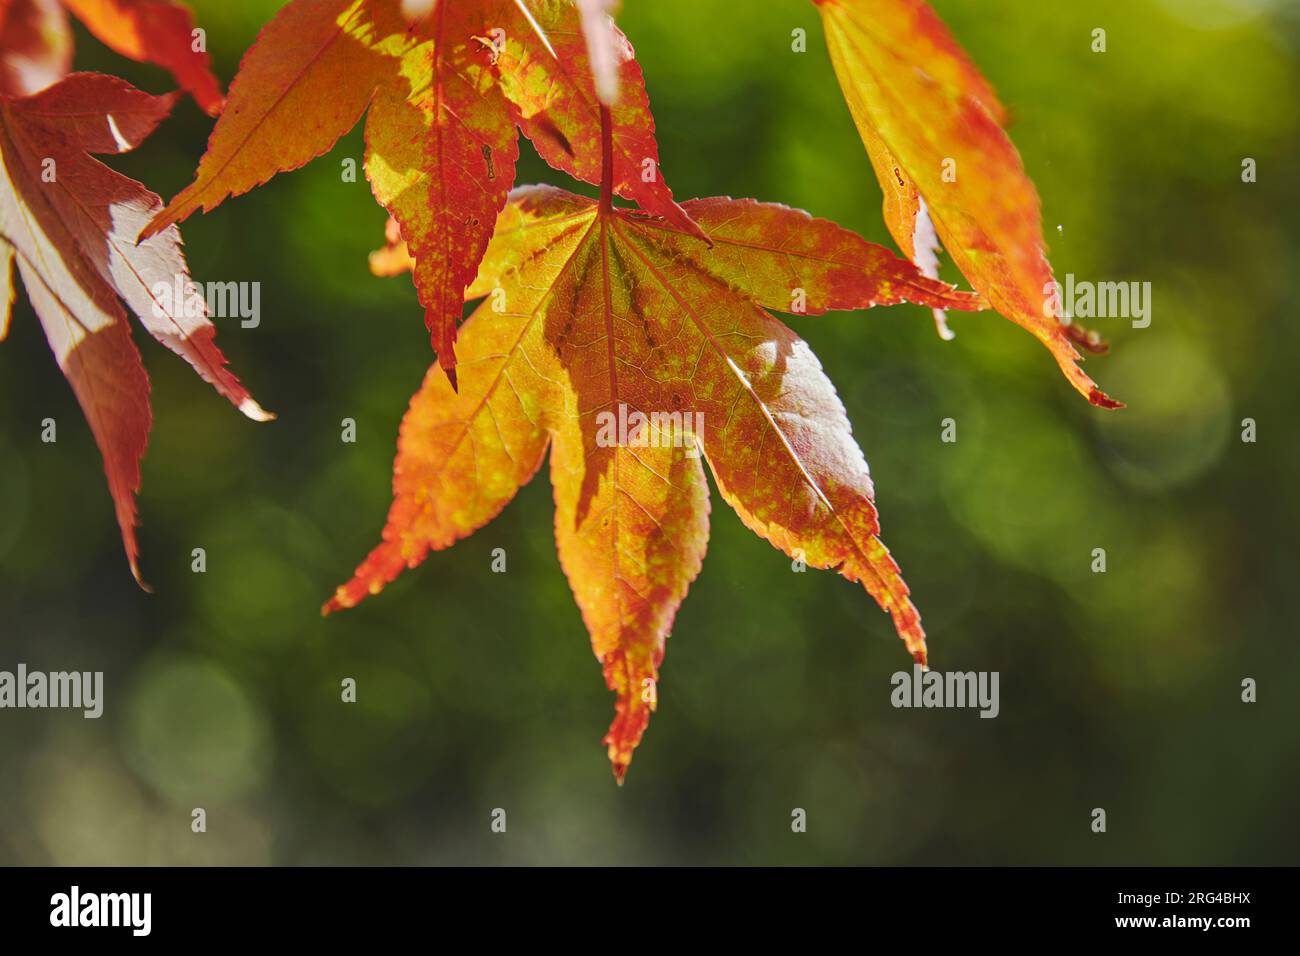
<point x="628" y="347"/>
<point x="36" y="43"/>
<point x="933" y="130"/>
<point x="70" y="223"/>
<point x="445" y="95"/>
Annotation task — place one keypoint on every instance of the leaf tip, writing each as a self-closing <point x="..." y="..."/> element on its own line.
<point x="1102" y="400"/>
<point x="251" y="409"/>
<point x="139" y="578"/>
<point x="156" y="225"/>
<point x="340" y="601"/>
<point x="169" y="100"/>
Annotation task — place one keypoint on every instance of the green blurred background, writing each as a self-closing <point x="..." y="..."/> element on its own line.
<point x="478" y="690"/>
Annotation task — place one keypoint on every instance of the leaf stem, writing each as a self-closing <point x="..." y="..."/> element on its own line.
<point x="607" y="161"/>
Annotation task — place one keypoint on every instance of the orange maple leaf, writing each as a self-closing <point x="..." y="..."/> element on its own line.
<point x="933" y="129"/>
<point x="630" y="348"/>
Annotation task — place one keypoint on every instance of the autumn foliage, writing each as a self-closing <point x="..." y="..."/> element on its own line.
<point x="71" y="224"/>
<point x="659" y="314"/>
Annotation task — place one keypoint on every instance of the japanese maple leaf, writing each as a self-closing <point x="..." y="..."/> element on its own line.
<point x="933" y="129"/>
<point x="445" y="95"/>
<point x="628" y="346"/>
<point x="71" y="223"/>
<point x="36" y="42"/>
